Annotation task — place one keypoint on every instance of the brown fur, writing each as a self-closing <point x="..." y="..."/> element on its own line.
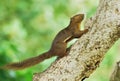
<point x="58" y="47"/>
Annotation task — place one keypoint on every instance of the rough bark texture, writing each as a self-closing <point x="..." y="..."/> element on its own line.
<point x="87" y="53"/>
<point x="116" y="74"/>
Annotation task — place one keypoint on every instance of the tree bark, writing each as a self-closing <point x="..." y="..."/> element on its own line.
<point x="116" y="74"/>
<point x="89" y="50"/>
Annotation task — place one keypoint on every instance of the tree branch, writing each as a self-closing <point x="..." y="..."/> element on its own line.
<point x="116" y="74"/>
<point x="87" y="53"/>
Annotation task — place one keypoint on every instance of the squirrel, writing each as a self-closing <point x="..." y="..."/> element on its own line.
<point x="58" y="47"/>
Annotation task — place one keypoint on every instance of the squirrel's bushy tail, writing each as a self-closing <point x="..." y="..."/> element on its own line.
<point x="28" y="62"/>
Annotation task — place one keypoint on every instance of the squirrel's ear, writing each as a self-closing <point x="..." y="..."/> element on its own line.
<point x="71" y="19"/>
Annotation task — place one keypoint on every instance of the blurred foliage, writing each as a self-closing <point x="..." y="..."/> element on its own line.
<point x="27" y="28"/>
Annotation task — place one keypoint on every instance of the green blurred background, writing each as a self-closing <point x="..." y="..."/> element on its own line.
<point x="27" y="28"/>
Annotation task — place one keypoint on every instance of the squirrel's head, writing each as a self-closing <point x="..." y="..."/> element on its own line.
<point x="77" y="18"/>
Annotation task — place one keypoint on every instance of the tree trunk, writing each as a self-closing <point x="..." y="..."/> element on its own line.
<point x="89" y="50"/>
